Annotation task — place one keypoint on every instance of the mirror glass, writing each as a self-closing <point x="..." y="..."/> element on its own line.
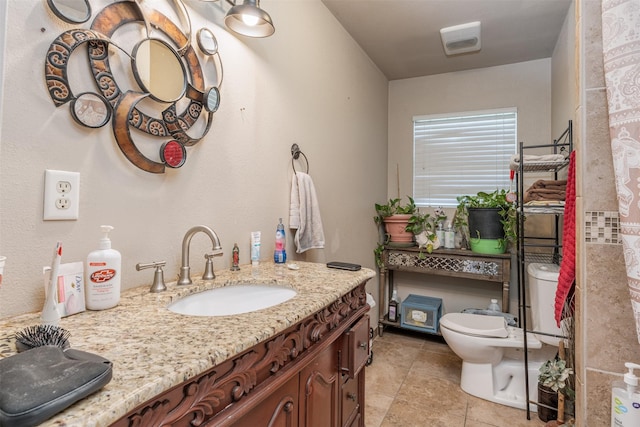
<point x="173" y="154"/>
<point x="212" y="100"/>
<point x="159" y="70"/>
<point x="207" y="41"/>
<point x="71" y="11"/>
<point x="91" y="110"/>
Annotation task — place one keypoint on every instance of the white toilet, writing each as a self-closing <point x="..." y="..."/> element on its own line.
<point x="492" y="352"/>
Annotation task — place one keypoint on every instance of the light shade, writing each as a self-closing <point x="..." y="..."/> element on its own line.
<point x="461" y="38"/>
<point x="249" y="20"/>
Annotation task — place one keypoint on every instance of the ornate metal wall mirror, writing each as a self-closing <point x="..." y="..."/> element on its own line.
<point x="71" y="11"/>
<point x="166" y="68"/>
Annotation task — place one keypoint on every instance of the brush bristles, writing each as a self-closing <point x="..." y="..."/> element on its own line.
<point x="41" y="335"/>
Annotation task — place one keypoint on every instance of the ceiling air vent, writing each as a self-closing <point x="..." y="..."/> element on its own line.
<point x="461" y="38"/>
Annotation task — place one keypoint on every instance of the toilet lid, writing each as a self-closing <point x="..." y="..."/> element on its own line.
<point x="476" y="324"/>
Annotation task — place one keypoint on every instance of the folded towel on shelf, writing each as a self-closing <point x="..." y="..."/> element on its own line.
<point x="304" y="214"/>
<point x="550" y="184"/>
<point x="532" y="159"/>
<point x="546" y="190"/>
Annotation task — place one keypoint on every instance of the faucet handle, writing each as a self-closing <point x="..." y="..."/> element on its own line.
<point x="208" y="267"/>
<point x="158" y="276"/>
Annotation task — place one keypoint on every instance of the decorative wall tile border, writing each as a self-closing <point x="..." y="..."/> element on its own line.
<point x="602" y="227"/>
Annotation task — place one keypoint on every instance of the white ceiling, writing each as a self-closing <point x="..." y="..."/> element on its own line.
<point x="402" y="37"/>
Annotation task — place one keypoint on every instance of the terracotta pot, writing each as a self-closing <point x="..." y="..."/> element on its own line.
<point x="395" y="226"/>
<point x="547" y="397"/>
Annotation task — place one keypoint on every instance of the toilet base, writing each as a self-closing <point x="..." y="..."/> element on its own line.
<point x="504" y="383"/>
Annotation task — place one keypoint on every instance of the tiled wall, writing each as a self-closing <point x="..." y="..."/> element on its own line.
<point x="602" y="227"/>
<point x="605" y="329"/>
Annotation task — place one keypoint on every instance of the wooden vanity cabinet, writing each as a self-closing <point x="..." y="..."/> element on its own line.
<point x="310" y="375"/>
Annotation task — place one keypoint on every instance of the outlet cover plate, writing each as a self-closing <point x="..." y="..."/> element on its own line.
<point x="61" y="195"/>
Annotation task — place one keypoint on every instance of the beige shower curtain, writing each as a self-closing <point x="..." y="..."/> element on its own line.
<point x="621" y="48"/>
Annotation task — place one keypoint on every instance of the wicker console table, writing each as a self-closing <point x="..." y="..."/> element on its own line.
<point x="442" y="262"/>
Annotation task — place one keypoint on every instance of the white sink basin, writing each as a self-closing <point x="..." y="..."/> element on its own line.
<point x="233" y="299"/>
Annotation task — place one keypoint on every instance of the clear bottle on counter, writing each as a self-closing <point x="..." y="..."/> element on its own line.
<point x="440" y="233"/>
<point x="449" y="237"/>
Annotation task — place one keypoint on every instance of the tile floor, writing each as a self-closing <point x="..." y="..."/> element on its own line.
<point x="414" y="381"/>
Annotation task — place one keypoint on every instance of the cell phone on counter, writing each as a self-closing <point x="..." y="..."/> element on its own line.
<point x="344" y="266"/>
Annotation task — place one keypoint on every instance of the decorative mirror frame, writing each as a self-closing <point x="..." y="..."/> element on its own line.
<point x="83" y="100"/>
<point x="204" y="37"/>
<point x="68" y="18"/>
<point x="171" y="126"/>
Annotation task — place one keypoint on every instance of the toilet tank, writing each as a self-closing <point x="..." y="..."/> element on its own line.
<point x="542" y="284"/>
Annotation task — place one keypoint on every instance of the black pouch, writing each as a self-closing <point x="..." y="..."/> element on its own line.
<point x="39" y="383"/>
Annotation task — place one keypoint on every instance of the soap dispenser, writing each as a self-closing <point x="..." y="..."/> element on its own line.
<point x="280" y="253"/>
<point x="625" y="400"/>
<point x="103" y="274"/>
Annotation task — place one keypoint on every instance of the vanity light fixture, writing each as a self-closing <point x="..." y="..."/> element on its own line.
<point x="249" y="20"/>
<point x="462" y="38"/>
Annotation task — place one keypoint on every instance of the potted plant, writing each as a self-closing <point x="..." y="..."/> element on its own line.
<point x="423" y="226"/>
<point x="552" y="379"/>
<point x="395" y="218"/>
<point x="491" y="220"/>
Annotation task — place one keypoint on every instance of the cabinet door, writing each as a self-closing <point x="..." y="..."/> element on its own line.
<point x="280" y="409"/>
<point x="350" y="402"/>
<point x="320" y="390"/>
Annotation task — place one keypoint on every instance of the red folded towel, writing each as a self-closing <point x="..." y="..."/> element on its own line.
<point x="567" y="275"/>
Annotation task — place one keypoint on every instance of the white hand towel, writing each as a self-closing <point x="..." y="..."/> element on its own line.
<point x="304" y="214"/>
<point x="514" y="164"/>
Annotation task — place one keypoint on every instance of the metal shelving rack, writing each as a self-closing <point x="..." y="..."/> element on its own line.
<point x="547" y="249"/>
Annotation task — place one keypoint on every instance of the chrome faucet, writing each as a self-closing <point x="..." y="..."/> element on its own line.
<point x="185" y="270"/>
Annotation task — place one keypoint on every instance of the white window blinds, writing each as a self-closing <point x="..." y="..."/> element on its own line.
<point x="461" y="154"/>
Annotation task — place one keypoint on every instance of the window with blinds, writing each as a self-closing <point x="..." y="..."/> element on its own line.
<point x="462" y="154"/>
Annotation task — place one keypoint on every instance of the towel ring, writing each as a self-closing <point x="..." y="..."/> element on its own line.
<point x="295" y="155"/>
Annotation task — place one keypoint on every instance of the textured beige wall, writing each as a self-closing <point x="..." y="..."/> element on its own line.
<point x="526" y="86"/>
<point x="606" y="336"/>
<point x="309" y="84"/>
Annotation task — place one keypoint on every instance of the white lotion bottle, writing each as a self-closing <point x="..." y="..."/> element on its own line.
<point x="625" y="400"/>
<point x="103" y="274"/>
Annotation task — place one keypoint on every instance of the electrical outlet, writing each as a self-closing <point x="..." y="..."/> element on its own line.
<point x="61" y="195"/>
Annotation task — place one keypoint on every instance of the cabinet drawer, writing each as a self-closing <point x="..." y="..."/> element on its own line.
<point x="350" y="402"/>
<point x="355" y="348"/>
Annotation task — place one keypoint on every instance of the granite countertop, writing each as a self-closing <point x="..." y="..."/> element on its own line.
<point x="154" y="349"/>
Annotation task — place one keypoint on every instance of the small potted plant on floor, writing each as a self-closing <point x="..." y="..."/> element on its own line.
<point x="552" y="379"/>
<point x="491" y="220"/>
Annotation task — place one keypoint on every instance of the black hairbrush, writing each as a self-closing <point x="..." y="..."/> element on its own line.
<point x="41" y="335"/>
